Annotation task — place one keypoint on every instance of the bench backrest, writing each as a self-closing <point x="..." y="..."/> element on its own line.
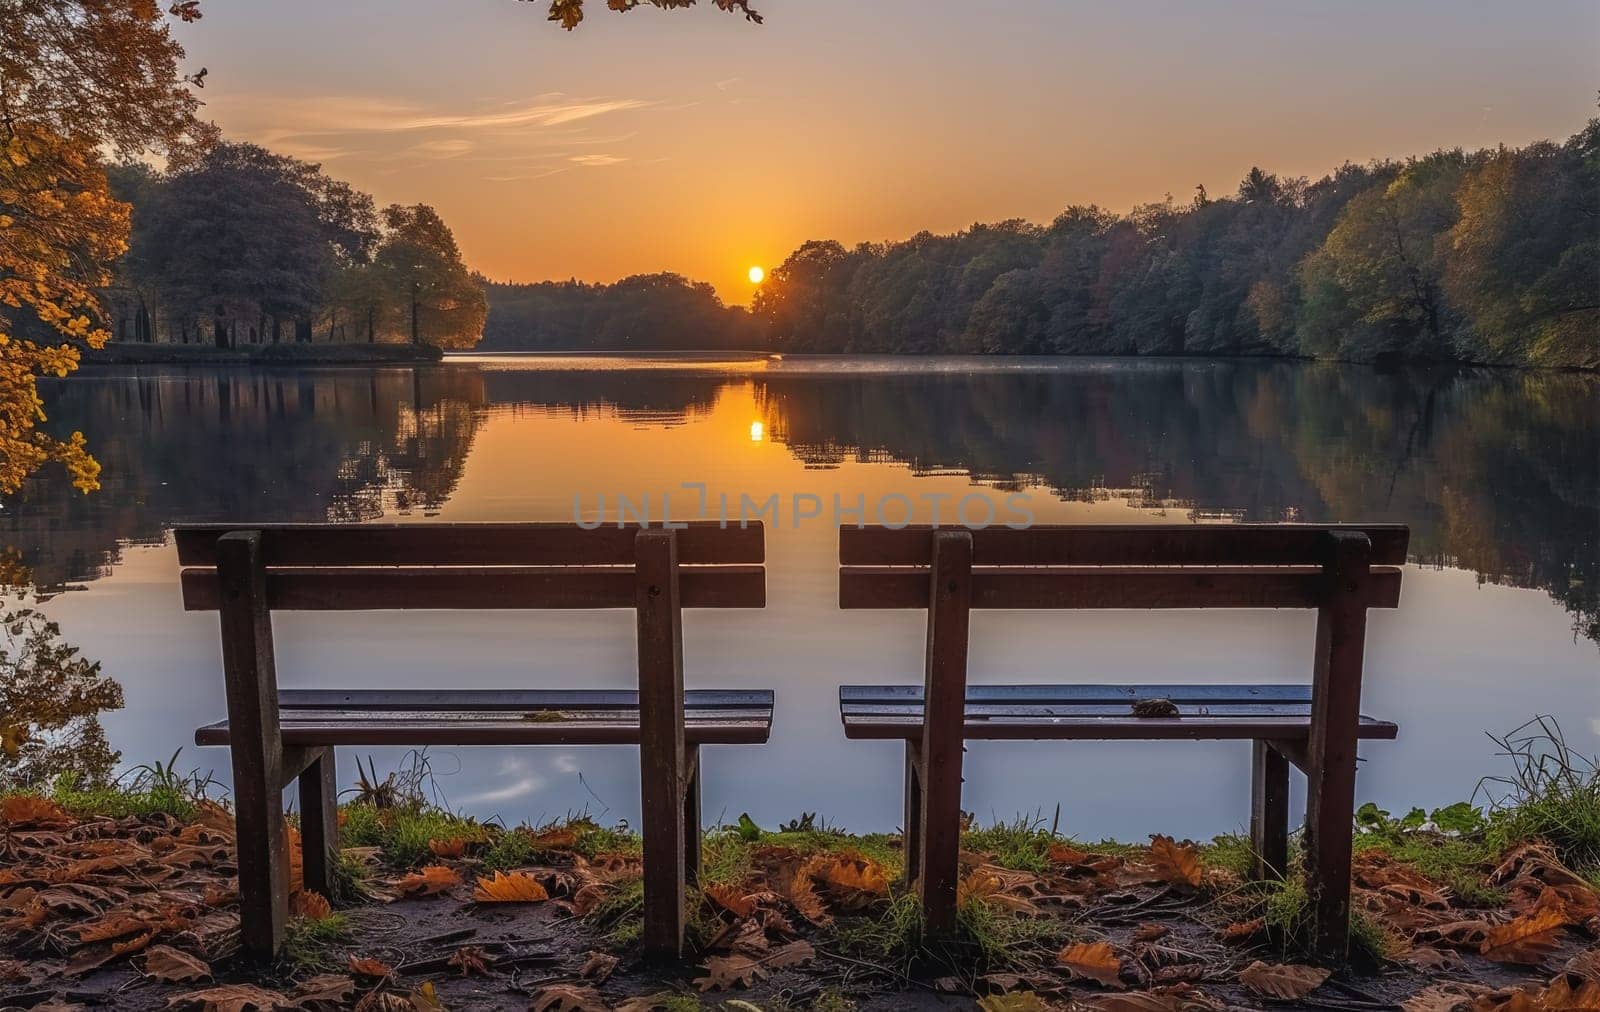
<point x="1188" y="566"/>
<point x="364" y="567"/>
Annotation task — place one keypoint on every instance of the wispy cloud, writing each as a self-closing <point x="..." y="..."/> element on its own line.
<point x="347" y="126"/>
<point x="595" y="160"/>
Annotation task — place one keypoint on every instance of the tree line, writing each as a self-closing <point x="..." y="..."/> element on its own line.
<point x="1487" y="257"/>
<point x="235" y="244"/>
<point x="645" y="312"/>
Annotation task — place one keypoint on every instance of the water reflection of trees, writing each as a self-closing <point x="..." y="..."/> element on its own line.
<point x="1496" y="472"/>
<point x="304" y="445"/>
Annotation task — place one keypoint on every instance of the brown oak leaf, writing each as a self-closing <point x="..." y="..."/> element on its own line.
<point x="1286" y="982"/>
<point x="1096" y="961"/>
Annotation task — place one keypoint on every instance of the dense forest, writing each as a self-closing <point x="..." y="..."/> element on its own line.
<point x="1488" y="257"/>
<point x="237" y="244"/>
<point x="646" y="312"/>
<point x="1485" y="257"/>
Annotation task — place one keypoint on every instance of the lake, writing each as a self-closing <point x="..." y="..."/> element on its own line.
<point x="1497" y="472"/>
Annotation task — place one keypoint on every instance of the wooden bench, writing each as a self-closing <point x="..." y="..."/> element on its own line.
<point x="245" y="572"/>
<point x="1339" y="570"/>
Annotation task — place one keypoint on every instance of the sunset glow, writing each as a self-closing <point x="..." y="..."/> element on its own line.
<point x="656" y="142"/>
<point x="757" y="275"/>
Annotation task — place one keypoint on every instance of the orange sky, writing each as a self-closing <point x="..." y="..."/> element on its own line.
<point x="698" y="143"/>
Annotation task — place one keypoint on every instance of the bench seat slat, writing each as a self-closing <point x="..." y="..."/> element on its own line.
<point x="1112" y="728"/>
<point x="319" y="727"/>
<point x="509" y="699"/>
<point x="1087" y="712"/>
<point x="1002" y="711"/>
<point x="1122" y="587"/>
<point x="1180" y="694"/>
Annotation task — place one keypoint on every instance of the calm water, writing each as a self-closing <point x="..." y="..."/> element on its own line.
<point x="1498" y="473"/>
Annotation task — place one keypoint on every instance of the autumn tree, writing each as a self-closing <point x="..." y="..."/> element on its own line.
<point x="421" y="268"/>
<point x="77" y="78"/>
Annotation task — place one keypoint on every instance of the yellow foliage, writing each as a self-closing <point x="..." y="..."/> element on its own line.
<point x="60" y="230"/>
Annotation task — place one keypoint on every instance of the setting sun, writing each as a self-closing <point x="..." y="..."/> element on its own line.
<point x="757" y="275"/>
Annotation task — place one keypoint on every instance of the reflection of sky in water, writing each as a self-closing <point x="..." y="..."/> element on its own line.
<point x="1458" y="658"/>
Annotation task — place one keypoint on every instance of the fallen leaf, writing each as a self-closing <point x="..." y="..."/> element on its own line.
<point x="598" y="966"/>
<point x="516" y="887"/>
<point x="454" y="847"/>
<point x="1562" y="996"/>
<point x="1240" y="932"/>
<point x="369" y="967"/>
<point x="1142" y="1001"/>
<point x="435" y="878"/>
<point x="1443" y="997"/>
<point x="326" y="991"/>
<point x="469" y="960"/>
<point x="730" y="899"/>
<point x="1585" y="965"/>
<point x="1528" y="941"/>
<point x="229" y="998"/>
<point x="1096" y="961"/>
<point x="724" y="972"/>
<point x="1286" y="982"/>
<point x="796" y="953"/>
<point x="567" y="998"/>
<point x="23" y="811"/>
<point x="425" y="999"/>
<point x="1150" y="932"/>
<point x="310" y="905"/>
<point x="1176" y="863"/>
<point x="174" y="967"/>
<point x="1013" y="1001"/>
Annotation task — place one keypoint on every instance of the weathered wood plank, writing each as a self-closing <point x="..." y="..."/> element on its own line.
<point x="1112" y="587"/>
<point x="449" y="729"/>
<point x="1123" y="545"/>
<point x="661" y="742"/>
<point x="319" y="823"/>
<point x="257" y="755"/>
<point x="1269" y="812"/>
<point x="469" y="544"/>
<point x="949" y="590"/>
<point x="692" y="815"/>
<point x="1000" y="711"/>
<point x="376" y="588"/>
<point x="1112" y="729"/>
<point x="911" y="834"/>
<point x="513" y="699"/>
<point x="1298" y="693"/>
<point x="1331" y="745"/>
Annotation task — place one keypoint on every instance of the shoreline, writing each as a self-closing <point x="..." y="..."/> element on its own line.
<point x="128" y="353"/>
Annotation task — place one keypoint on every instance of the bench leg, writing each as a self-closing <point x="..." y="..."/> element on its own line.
<point x="944" y="727"/>
<point x="691" y="817"/>
<point x="911" y="843"/>
<point x="661" y="746"/>
<point x="1269" y="812"/>
<point x="319" y="824"/>
<point x="256" y="748"/>
<point x="1331" y="747"/>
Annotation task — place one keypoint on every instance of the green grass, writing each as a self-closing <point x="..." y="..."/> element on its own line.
<point x="403" y="832"/>
<point x="1023" y="844"/>
<point x="985" y="940"/>
<point x="1231" y="853"/>
<point x="1550" y="793"/>
<point x="308" y="943"/>
<point x="1286" y="908"/>
<point x="156" y="788"/>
